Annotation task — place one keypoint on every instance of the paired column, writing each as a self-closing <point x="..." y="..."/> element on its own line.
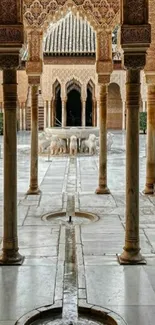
<point x="10" y="254"/>
<point x="131" y="252"/>
<point x="102" y="188"/>
<point x="34" y="189"/>
<point x="150" y="159"/>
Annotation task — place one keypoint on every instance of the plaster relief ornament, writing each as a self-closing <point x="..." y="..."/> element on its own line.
<point x="100" y="13"/>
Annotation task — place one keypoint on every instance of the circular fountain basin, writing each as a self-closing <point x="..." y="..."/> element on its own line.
<point x="78" y="218"/>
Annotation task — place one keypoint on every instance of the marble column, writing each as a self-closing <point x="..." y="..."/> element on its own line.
<point x="49" y="113"/>
<point x="63" y="123"/>
<point x="131" y="253"/>
<point x="83" y="112"/>
<point x="52" y="112"/>
<point x="98" y="113"/>
<point x="24" y="116"/>
<point x="123" y="116"/>
<point x="20" y="117"/>
<point x="150" y="160"/>
<point x="102" y="188"/>
<point x="33" y="189"/>
<point x="45" y="114"/>
<point x="144" y="106"/>
<point x="10" y="253"/>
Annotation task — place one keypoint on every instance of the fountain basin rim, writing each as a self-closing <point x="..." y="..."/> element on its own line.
<point x="88" y="215"/>
<point x="91" y="312"/>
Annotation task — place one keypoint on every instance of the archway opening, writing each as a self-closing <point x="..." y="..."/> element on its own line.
<point x="74" y="108"/>
<point x="58" y="105"/>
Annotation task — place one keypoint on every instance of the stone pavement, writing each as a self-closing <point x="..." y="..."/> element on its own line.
<point x="126" y="290"/>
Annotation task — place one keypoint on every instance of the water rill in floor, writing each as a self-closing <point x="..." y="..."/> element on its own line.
<point x="70" y="309"/>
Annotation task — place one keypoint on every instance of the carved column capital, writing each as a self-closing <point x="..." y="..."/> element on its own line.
<point x="150" y="78"/>
<point x="135" y="61"/>
<point x="103" y="79"/>
<point x="34" y="80"/>
<point x="9" y="61"/>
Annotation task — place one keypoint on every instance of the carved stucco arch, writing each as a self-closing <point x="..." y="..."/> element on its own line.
<point x="100" y="14"/>
<point x="92" y="84"/>
<point x="73" y="84"/>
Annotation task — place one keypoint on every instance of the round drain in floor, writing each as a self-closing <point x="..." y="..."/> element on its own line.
<point x="78" y="218"/>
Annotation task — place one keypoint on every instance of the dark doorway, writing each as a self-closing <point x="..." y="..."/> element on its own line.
<point x="89" y="109"/>
<point x="58" y="106"/>
<point x="74" y="108"/>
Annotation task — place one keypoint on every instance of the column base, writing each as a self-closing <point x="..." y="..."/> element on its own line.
<point x="149" y="189"/>
<point x="102" y="190"/>
<point x="33" y="191"/>
<point x="11" y="258"/>
<point x="131" y="258"/>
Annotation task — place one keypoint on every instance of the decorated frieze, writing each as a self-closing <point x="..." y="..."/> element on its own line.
<point x="101" y="13"/>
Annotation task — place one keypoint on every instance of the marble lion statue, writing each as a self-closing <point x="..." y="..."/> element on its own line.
<point x="43" y="143"/>
<point x="109" y="140"/>
<point x="89" y="144"/>
<point x="73" y="145"/>
<point x="63" y="145"/>
<point x="55" y="145"/>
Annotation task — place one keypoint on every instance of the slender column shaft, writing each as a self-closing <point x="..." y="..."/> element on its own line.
<point x="63" y="113"/>
<point x="45" y="115"/>
<point x="123" y="117"/>
<point x="20" y="117"/>
<point x="10" y="253"/>
<point x="84" y="113"/>
<point x="52" y="112"/>
<point x="98" y="114"/>
<point x="131" y="254"/>
<point x="144" y="106"/>
<point x="150" y="163"/>
<point x="24" y="116"/>
<point x="102" y="188"/>
<point x="33" y="189"/>
<point x="49" y="114"/>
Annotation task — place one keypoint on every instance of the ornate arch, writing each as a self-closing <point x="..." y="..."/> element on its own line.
<point x="100" y="14"/>
<point x="91" y="87"/>
<point x="56" y="86"/>
<point x="73" y="84"/>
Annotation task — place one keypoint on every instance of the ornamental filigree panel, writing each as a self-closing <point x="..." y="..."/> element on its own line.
<point x="100" y="13"/>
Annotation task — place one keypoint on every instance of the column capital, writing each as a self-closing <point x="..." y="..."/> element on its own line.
<point x="9" y="61"/>
<point x="34" y="80"/>
<point x="150" y="78"/>
<point x="135" y="61"/>
<point x="103" y="79"/>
